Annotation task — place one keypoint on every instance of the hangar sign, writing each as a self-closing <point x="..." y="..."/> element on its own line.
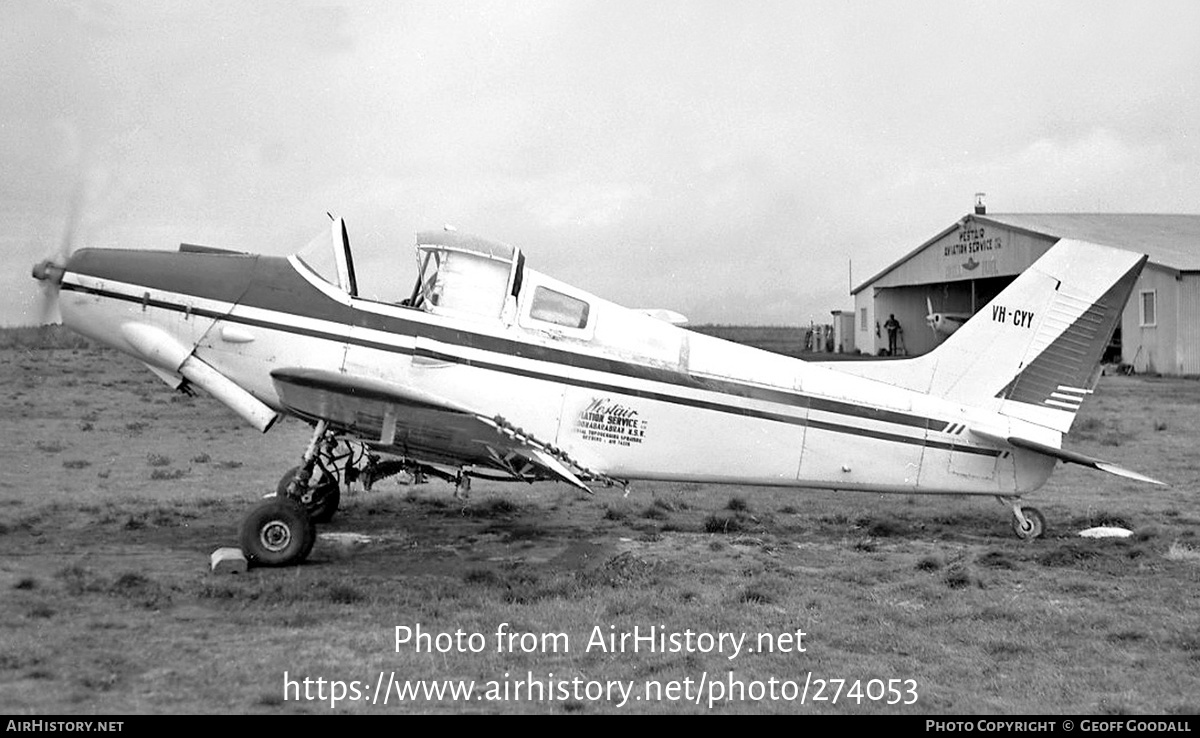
<point x="974" y="252"/>
<point x="973" y="240"/>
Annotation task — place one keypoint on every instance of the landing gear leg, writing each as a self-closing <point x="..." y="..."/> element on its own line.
<point x="321" y="500"/>
<point x="299" y="485"/>
<point x="1027" y="522"/>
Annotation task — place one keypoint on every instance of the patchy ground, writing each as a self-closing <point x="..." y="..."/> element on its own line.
<point x="114" y="491"/>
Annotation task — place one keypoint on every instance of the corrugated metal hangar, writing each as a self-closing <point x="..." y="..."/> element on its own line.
<point x="962" y="268"/>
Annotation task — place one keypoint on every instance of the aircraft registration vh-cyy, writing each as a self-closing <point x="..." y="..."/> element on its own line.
<point x="490" y="369"/>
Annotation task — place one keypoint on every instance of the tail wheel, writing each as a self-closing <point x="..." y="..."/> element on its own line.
<point x="278" y="532"/>
<point x="1033" y="527"/>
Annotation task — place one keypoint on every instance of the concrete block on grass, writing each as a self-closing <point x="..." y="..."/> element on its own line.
<point x="228" y="561"/>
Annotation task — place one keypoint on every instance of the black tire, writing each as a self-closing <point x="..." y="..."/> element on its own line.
<point x="278" y="532"/>
<point x="326" y="499"/>
<point x="325" y="502"/>
<point x="1036" y="524"/>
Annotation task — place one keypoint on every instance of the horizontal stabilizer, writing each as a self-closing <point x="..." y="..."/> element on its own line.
<point x="1070" y="457"/>
<point x="667" y="316"/>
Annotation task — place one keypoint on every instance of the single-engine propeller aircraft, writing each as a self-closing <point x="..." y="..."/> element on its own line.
<point x="490" y="369"/>
<point x="942" y="323"/>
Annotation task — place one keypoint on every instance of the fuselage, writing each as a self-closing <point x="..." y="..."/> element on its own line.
<point x="626" y="394"/>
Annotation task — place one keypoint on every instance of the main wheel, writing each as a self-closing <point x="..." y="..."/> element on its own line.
<point x="278" y="532"/>
<point x="325" y="500"/>
<point x="1035" y="524"/>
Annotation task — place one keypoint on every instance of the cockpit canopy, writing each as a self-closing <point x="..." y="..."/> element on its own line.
<point x="464" y="275"/>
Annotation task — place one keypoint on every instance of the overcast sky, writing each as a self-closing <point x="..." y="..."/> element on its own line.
<point x="723" y="159"/>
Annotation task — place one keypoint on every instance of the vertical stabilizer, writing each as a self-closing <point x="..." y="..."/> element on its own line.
<point x="1034" y="351"/>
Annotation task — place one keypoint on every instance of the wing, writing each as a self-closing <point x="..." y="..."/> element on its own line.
<point x="412" y="422"/>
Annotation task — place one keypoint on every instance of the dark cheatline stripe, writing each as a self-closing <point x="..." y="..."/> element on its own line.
<point x="276" y="286"/>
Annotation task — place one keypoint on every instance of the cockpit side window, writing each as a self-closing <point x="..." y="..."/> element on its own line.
<point x="551" y="306"/>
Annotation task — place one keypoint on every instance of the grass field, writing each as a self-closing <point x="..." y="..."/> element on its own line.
<point x="114" y="491"/>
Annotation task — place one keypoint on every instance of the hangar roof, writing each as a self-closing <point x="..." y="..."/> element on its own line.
<point x="1172" y="241"/>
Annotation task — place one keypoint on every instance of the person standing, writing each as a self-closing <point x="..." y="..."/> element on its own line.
<point x="892" y="326"/>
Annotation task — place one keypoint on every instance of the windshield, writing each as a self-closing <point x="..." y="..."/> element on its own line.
<point x="318" y="256"/>
<point x="380" y="276"/>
